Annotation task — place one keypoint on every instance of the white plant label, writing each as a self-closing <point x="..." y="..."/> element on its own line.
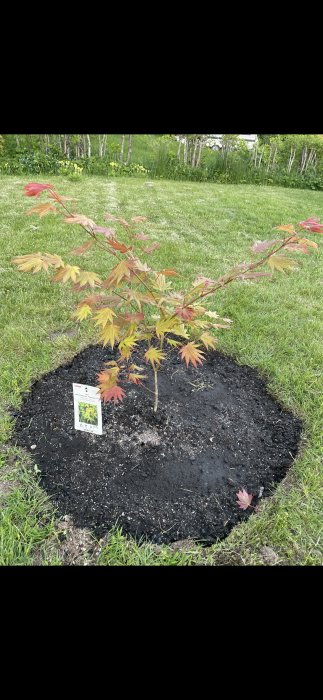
<point x="87" y="409"/>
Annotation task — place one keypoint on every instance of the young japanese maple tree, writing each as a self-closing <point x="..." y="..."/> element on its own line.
<point x="135" y="302"/>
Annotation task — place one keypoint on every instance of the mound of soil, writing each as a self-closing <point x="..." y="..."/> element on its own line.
<point x="164" y="477"/>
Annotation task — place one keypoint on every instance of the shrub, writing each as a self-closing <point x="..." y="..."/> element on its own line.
<point x="135" y="303"/>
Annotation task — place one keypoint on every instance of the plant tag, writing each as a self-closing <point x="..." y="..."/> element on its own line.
<point x="87" y="408"/>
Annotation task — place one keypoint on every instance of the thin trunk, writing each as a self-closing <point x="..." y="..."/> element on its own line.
<point x="194" y="152"/>
<point x="129" y="149"/>
<point x="199" y="153"/>
<point x="311" y="158"/>
<point x="122" y="148"/>
<point x="190" y="152"/>
<point x="89" y="146"/>
<point x="314" y="159"/>
<point x="104" y="144"/>
<point x="179" y="150"/>
<point x="17" y="141"/>
<point x="156" y="390"/>
<point x="66" y="146"/>
<point x="185" y="150"/>
<point x="291" y="159"/>
<point x="269" y="158"/>
<point x="303" y="158"/>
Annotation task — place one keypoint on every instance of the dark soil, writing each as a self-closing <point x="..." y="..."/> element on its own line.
<point x="164" y="477"/>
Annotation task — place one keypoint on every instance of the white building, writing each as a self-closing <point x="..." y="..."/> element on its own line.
<point x="215" y="140"/>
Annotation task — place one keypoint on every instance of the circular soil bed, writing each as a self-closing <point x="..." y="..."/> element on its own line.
<point x="164" y="477"/>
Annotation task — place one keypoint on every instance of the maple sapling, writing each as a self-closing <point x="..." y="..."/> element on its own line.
<point x="135" y="303"/>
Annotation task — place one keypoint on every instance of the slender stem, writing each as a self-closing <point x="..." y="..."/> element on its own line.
<point x="104" y="247"/>
<point x="92" y="234"/>
<point x="156" y="389"/>
<point x="252" y="266"/>
<point x="149" y="290"/>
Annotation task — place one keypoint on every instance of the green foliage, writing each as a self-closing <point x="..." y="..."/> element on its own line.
<point x="88" y="413"/>
<point x="288" y="160"/>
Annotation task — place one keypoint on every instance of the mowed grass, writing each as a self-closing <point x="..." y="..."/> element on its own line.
<point x="202" y="228"/>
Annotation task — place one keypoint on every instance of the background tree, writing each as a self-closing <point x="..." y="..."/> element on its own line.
<point x="129" y="149"/>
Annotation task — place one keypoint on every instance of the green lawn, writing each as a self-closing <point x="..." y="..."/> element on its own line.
<point x="203" y="228"/>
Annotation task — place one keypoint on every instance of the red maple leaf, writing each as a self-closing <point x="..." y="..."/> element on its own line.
<point x="141" y="236"/>
<point x="204" y="280"/>
<point x="134" y="317"/>
<point x="115" y="394"/>
<point x="33" y="189"/>
<point x="312" y="224"/>
<point x="185" y="312"/>
<point x="244" y="499"/>
<point x="191" y="353"/>
<point x="107" y="232"/>
<point x="151" y="248"/>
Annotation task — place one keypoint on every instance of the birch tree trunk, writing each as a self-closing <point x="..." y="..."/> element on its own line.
<point x="67" y="145"/>
<point x="199" y="153"/>
<point x="194" y="152"/>
<point x="291" y="159"/>
<point x="179" y="150"/>
<point x="89" y="146"/>
<point x="129" y="149"/>
<point x="185" y="150"/>
<point x="303" y="159"/>
<point x="122" y="148"/>
<point x="102" y="144"/>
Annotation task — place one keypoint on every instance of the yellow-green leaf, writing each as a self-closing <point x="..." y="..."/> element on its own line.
<point x="90" y="279"/>
<point x="126" y="346"/>
<point x="173" y="343"/>
<point x="104" y="316"/>
<point x="118" y="273"/>
<point x="66" y="273"/>
<point x="180" y="330"/>
<point x="208" y="340"/>
<point x="154" y="356"/>
<point x="161" y="284"/>
<point x="280" y="263"/>
<point x="165" y="326"/>
<point x="110" y="334"/>
<point x="27" y="263"/>
<point x="83" y="312"/>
